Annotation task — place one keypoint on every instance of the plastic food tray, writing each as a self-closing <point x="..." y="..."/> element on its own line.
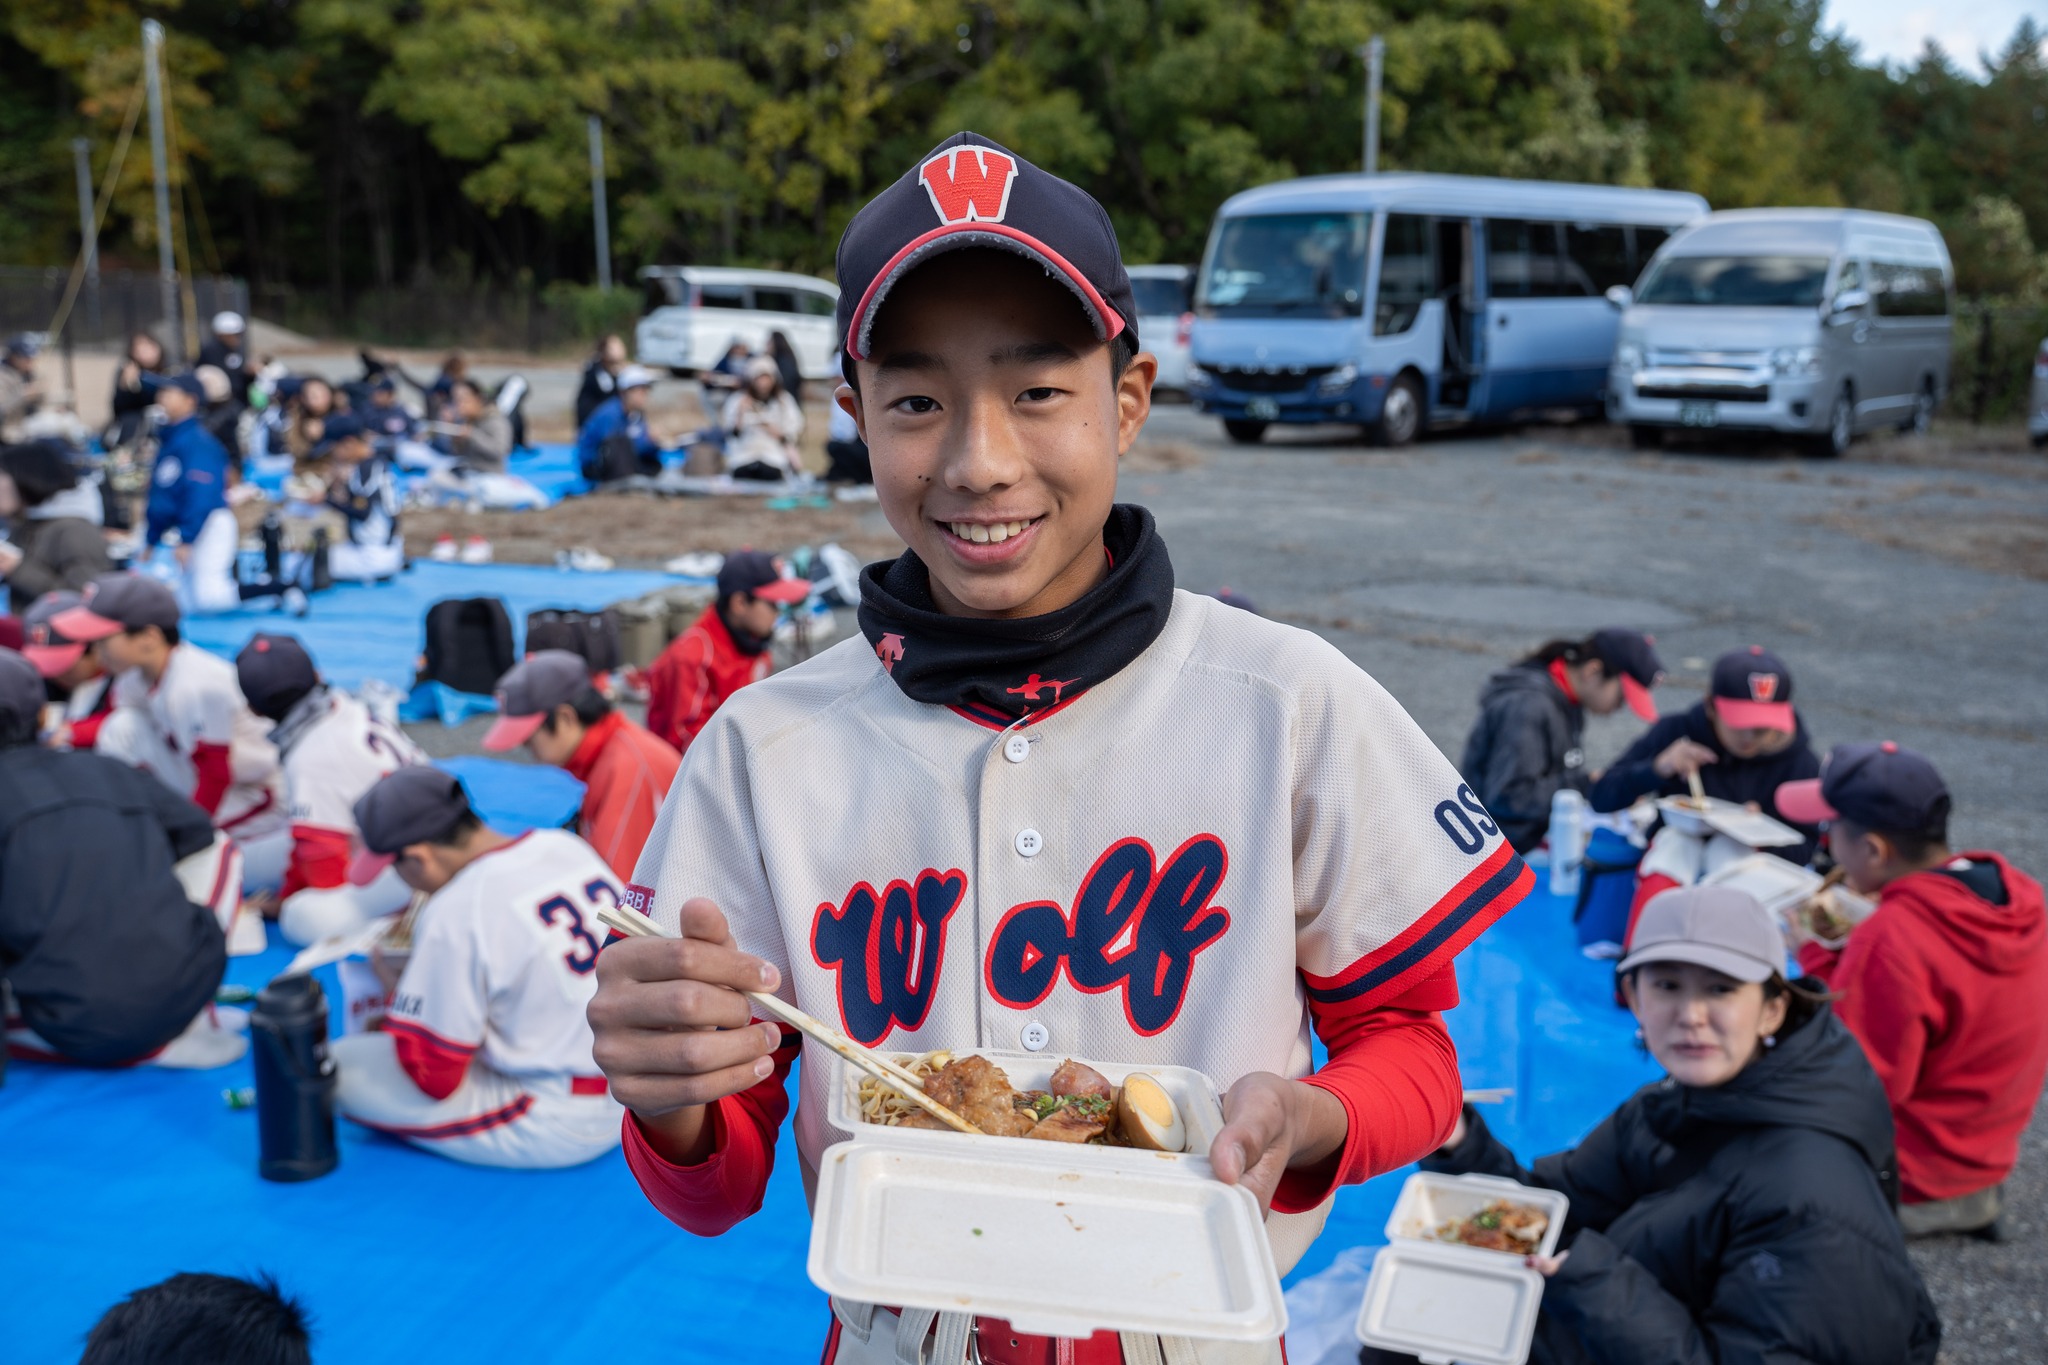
<point x="1751" y="828"/>
<point x="1444" y="1301"/>
<point x="1058" y="1240"/>
<point x="1783" y="889"/>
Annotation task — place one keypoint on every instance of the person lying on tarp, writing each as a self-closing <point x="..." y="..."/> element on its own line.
<point x="1740" y="1209"/>
<point x="615" y="443"/>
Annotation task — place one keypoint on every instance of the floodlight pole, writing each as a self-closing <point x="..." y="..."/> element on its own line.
<point x="81" y="155"/>
<point x="604" y="230"/>
<point x="159" y="158"/>
<point x="1374" y="53"/>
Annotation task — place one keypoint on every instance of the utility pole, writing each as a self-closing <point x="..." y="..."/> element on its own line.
<point x="159" y="158"/>
<point x="81" y="154"/>
<point x="1375" y="53"/>
<point x="604" y="228"/>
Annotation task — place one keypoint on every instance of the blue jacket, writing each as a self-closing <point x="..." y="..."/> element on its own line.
<point x="609" y="419"/>
<point x="188" y="482"/>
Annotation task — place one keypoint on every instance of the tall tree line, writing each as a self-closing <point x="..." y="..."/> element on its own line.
<point x="349" y="145"/>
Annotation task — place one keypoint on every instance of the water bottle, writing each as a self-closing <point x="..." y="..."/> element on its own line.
<point x="1568" y="813"/>
<point x="294" y="1080"/>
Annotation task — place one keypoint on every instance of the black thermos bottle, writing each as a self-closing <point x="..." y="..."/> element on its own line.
<point x="294" y="1080"/>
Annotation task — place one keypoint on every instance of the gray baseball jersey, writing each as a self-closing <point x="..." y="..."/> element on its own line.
<point x="1177" y="866"/>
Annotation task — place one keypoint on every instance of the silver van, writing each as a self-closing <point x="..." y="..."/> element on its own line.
<point x="1821" y="322"/>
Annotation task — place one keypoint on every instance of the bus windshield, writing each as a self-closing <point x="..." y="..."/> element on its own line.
<point x="1286" y="265"/>
<point x="1737" y="281"/>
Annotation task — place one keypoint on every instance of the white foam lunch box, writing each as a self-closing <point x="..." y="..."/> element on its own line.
<point x="1784" y="889"/>
<point x="1443" y="1301"/>
<point x="1056" y="1239"/>
<point x="1751" y="828"/>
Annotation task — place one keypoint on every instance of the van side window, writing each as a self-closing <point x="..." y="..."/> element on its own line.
<point x="1648" y="239"/>
<point x="659" y="291"/>
<point x="771" y="299"/>
<point x="1522" y="261"/>
<point x="1907" y="291"/>
<point x="1407" y="274"/>
<point x="813" y="304"/>
<point x="1596" y="257"/>
<point x="1850" y="278"/>
<point x="721" y="296"/>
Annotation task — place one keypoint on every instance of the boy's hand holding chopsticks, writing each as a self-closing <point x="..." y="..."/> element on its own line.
<point x="673" y="1031"/>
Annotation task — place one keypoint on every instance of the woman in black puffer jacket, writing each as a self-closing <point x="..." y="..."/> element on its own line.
<point x="1739" y="1211"/>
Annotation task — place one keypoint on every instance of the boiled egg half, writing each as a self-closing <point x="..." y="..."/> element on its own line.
<point x="1148" y="1115"/>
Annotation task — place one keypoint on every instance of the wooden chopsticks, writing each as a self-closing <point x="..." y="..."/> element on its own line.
<point x="633" y="924"/>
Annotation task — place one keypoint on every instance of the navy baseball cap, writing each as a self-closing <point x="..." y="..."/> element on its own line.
<point x="410" y="806"/>
<point x="758" y="575"/>
<point x="970" y="192"/>
<point x="187" y="382"/>
<point x="338" y="428"/>
<point x="43" y="644"/>
<point x="21" y="688"/>
<point x="1631" y="656"/>
<point x="529" y="693"/>
<point x="1752" y="690"/>
<point x="272" y="666"/>
<point x="114" y="603"/>
<point x="1878" y="786"/>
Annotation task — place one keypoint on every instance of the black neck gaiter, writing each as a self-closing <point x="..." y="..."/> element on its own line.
<point x="1019" y="665"/>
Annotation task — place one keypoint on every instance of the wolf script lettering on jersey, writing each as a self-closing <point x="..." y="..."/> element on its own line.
<point x="1136" y="925"/>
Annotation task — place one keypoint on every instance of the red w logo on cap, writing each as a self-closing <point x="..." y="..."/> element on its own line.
<point x="1763" y="686"/>
<point x="969" y="184"/>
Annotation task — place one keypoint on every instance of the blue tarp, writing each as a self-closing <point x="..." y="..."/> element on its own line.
<point x="113" y="1180"/>
<point x="550" y="468"/>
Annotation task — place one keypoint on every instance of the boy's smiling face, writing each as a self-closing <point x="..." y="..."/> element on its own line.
<point x="994" y="425"/>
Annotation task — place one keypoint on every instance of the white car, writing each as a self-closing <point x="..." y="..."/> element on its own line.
<point x="2037" y="400"/>
<point x="695" y="313"/>
<point x="1165" y="311"/>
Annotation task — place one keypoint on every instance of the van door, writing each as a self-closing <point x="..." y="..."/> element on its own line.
<point x="719" y="319"/>
<point x="1547" y="341"/>
<point x="1847" y="352"/>
<point x="805" y="317"/>
<point x="1911" y="299"/>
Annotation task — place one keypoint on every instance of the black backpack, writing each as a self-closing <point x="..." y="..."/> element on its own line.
<point x="469" y="644"/>
<point x="592" y="636"/>
<point x="615" y="459"/>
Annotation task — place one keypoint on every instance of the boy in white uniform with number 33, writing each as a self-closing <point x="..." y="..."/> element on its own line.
<point x="485" y="1053"/>
<point x="1047" y="802"/>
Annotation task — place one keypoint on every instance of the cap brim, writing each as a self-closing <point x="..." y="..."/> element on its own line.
<point x="1802" y="804"/>
<point x="509" y="732"/>
<point x="1750" y="715"/>
<point x="1638" y="697"/>
<point x="955" y="236"/>
<point x="786" y="590"/>
<point x="50" y="660"/>
<point x="366" y="866"/>
<point x="1740" y="966"/>
<point x="83" y="626"/>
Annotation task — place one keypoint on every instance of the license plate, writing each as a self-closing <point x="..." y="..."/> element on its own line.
<point x="1264" y="409"/>
<point x="1699" y="415"/>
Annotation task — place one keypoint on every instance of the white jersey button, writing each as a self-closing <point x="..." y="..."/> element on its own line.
<point x="1034" y="1036"/>
<point x="1029" y="841"/>
<point x="1016" y="748"/>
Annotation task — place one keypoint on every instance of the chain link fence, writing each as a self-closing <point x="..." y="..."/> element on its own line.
<point x="123" y="303"/>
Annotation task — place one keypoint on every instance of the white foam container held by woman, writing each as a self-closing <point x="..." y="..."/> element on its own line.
<point x="1444" y="1301"/>
<point x="1055" y="1238"/>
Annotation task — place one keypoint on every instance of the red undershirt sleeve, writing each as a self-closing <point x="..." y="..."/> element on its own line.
<point x="435" y="1065"/>
<point x="1395" y="1071"/>
<point x="728" y="1185"/>
<point x="319" y="858"/>
<point x="210" y="762"/>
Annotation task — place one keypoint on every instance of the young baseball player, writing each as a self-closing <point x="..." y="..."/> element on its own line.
<point x="485" y="1054"/>
<point x="723" y="650"/>
<point x="547" y="703"/>
<point x="82" y="691"/>
<point x="1071" y="810"/>
<point x="179" y="713"/>
<point x="1945" y="985"/>
<point x="332" y="750"/>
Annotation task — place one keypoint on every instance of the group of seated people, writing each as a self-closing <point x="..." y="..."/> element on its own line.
<point x="158" y="804"/>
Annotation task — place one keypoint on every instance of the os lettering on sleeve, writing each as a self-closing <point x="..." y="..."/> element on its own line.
<point x="886" y="948"/>
<point x="1136" y="925"/>
<point x="1466" y="822"/>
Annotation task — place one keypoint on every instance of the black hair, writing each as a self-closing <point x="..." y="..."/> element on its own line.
<point x="197" y="1319"/>
<point x="458" y="832"/>
<point x="170" y="633"/>
<point x="1804" y="999"/>
<point x="18" y="730"/>
<point x="466" y="383"/>
<point x="1913" y="846"/>
<point x="590" y="707"/>
<point x="1123" y="349"/>
<point x="40" y="471"/>
<point x="1569" y="651"/>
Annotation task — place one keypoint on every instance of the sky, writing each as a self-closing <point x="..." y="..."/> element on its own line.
<point x="1894" y="30"/>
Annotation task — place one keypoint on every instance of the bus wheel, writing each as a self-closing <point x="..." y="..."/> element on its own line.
<point x="1400" y="415"/>
<point x="1243" y="432"/>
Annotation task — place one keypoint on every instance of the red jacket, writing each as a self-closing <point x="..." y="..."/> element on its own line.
<point x="1948" y="993"/>
<point x="626" y="772"/>
<point x="694" y="676"/>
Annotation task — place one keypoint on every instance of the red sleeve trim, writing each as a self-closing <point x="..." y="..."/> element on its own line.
<point x="320" y="858"/>
<point x="436" y="1065"/>
<point x="1439" y="934"/>
<point x="210" y="762"/>
<point x="728" y="1185"/>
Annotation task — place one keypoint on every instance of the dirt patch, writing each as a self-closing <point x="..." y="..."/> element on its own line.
<point x="1994" y="542"/>
<point x="640" y="530"/>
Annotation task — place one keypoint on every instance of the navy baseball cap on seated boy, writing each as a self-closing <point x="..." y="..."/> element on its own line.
<point x="114" y="603"/>
<point x="338" y="428"/>
<point x="970" y="192"/>
<point x="273" y="666"/>
<point x="529" y="693"/>
<point x="756" y="573"/>
<point x="43" y="644"/>
<point x="410" y="806"/>
<point x="1752" y="690"/>
<point x="1877" y="786"/>
<point x="1629" y="654"/>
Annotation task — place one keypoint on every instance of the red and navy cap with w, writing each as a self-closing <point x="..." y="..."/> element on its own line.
<point x="969" y="192"/>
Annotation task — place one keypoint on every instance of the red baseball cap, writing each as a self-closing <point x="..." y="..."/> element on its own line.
<point x="529" y="693"/>
<point x="1752" y="690"/>
<point x="759" y="575"/>
<point x="1632" y="656"/>
<point x="42" y="643"/>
